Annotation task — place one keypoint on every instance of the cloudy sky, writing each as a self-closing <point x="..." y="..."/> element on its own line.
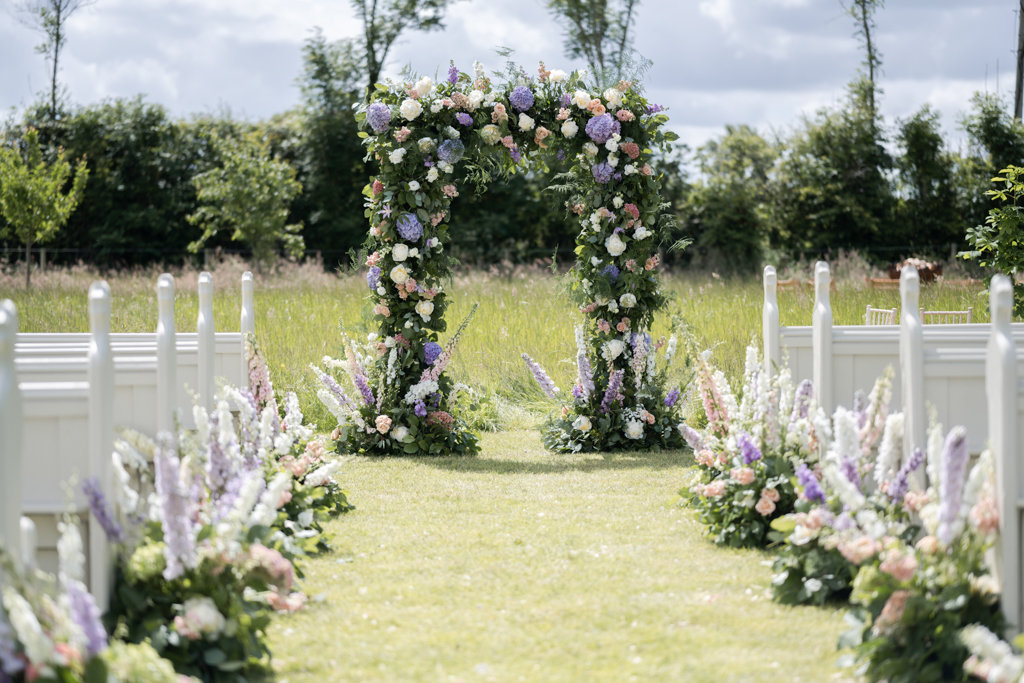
<point x="715" y="62"/>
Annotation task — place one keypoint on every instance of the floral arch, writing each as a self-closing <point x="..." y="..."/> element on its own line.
<point x="422" y="134"/>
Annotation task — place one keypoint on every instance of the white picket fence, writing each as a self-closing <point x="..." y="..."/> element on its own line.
<point x="61" y="395"/>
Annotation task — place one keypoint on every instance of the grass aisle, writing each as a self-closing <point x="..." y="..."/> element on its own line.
<point x="522" y="565"/>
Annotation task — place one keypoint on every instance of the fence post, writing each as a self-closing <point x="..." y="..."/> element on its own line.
<point x="912" y="364"/>
<point x="770" y="322"/>
<point x="206" y="334"/>
<point x="10" y="433"/>
<point x="821" y="337"/>
<point x="1001" y="392"/>
<point x="247" y="324"/>
<point x="101" y="432"/>
<point x="166" y="355"/>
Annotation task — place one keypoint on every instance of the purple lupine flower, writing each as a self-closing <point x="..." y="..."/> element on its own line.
<point x="378" y="116"/>
<point x="373" y="277"/>
<point x="692" y="437"/>
<point x="802" y="401"/>
<point x="849" y="469"/>
<point x="545" y="382"/>
<point x="464" y="118"/>
<point x="420" y="409"/>
<point x="951" y="482"/>
<point x="748" y="449"/>
<point x="101" y="510"/>
<point x="175" y="508"/>
<point x="672" y="397"/>
<point x="901" y="482"/>
<point x="453" y="73"/>
<point x="654" y="108"/>
<point x="812" y="487"/>
<point x="86" y="615"/>
<point x="611" y="394"/>
<point x="335" y="388"/>
<point x="451" y="151"/>
<point x="364" y="388"/>
<point x="611" y="272"/>
<point x="602" y="172"/>
<point x="431" y="352"/>
<point x="409" y="227"/>
<point x="602" y="128"/>
<point x="521" y="98"/>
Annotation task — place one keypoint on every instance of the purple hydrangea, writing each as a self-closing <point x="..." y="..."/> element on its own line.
<point x="450" y="151"/>
<point x="373" y="277"/>
<point x="378" y="116"/>
<point x="420" y="409"/>
<point x="602" y="172"/>
<point x="431" y="351"/>
<point x="602" y="128"/>
<point x="748" y="449"/>
<point x="453" y="73"/>
<point x="809" y="482"/>
<point x="464" y="118"/>
<point x="611" y="272"/>
<point x="409" y="227"/>
<point x="672" y="397"/>
<point x="521" y="98"/>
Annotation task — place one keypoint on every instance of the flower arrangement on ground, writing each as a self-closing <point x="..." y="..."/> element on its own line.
<point x="747" y="453"/>
<point x="427" y="137"/>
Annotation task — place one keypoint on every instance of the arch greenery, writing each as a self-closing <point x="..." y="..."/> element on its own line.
<point x="430" y="140"/>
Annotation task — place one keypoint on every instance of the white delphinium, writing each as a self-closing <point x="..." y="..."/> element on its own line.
<point x="725" y="391"/>
<point x="202" y="420"/>
<point x="124" y="492"/>
<point x="670" y="349"/>
<point x="268" y="430"/>
<point x="890" y="450"/>
<point x="751" y="370"/>
<point x="70" y="553"/>
<point x="933" y="462"/>
<point x="38" y="647"/>
<point x="786" y="392"/>
<point x="417" y="392"/>
<point x="322" y="474"/>
<point x="981" y="474"/>
<point x="265" y="511"/>
<point x="294" y="419"/>
<point x="333" y="405"/>
<point x="846" y="443"/>
<point x="392" y="373"/>
<point x="848" y="492"/>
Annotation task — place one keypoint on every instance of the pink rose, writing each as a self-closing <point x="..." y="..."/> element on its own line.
<point x="891" y="613"/>
<point x="715" y="489"/>
<point x="764" y="506"/>
<point x="383" y="423"/>
<point x="742" y="475"/>
<point x="899" y="566"/>
<point x="771" y="494"/>
<point x="859" y="549"/>
<point x="625" y="115"/>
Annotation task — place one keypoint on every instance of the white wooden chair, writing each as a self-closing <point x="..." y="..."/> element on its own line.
<point x="947" y="317"/>
<point x="879" y="316"/>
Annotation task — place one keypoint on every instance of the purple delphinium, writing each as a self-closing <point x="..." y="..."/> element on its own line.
<point x="611" y="394"/>
<point x="672" y="397"/>
<point x="560" y="155"/>
<point x="218" y="467"/>
<point x="373" y="277"/>
<point x="431" y="352"/>
<point x="545" y="382"/>
<point x="409" y="227"/>
<point x="812" y="487"/>
<point x="654" y="108"/>
<point x="849" y="469"/>
<point x="602" y="172"/>
<point x="359" y="380"/>
<point x="585" y="374"/>
<point x="565" y="100"/>
<point x="692" y="437"/>
<point x="951" y="482"/>
<point x="378" y="116"/>
<point x="453" y="73"/>
<point x="86" y="615"/>
<point x="521" y="98"/>
<point x="617" y="177"/>
<point x="450" y="151"/>
<point x="515" y="153"/>
<point x="748" y="449"/>
<point x="335" y="388"/>
<point x="420" y="409"/>
<point x="602" y="128"/>
<point x="611" y="272"/>
<point x="860" y="408"/>
<point x="435" y="400"/>
<point x="901" y="482"/>
<point x="101" y="510"/>
<point x="175" y="508"/>
<point x="578" y="392"/>
<point x="802" y="400"/>
<point x="464" y="118"/>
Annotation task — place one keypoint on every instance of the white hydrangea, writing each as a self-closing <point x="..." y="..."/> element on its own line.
<point x="641" y="232"/>
<point x="436" y="106"/>
<point x="426" y="145"/>
<point x="417" y="392"/>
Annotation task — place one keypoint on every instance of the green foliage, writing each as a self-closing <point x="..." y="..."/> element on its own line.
<point x="997" y="141"/>
<point x="598" y="31"/>
<point x="249" y="194"/>
<point x="33" y="199"/>
<point x="999" y="242"/>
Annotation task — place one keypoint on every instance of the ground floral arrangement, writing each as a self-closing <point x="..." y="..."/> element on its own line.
<point x="209" y="528"/>
<point x="901" y="536"/>
<point x="430" y="139"/>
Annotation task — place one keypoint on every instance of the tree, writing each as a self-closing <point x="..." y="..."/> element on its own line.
<point x="863" y="12"/>
<point x="32" y="196"/>
<point x="249" y="193"/>
<point x="598" y="31"/>
<point x="50" y="17"/>
<point x="996" y="142"/>
<point x="385" y="20"/>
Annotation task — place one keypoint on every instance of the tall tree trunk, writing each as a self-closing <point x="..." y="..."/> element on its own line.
<point x="866" y="26"/>
<point x="56" y="56"/>
<point x="1018" y="93"/>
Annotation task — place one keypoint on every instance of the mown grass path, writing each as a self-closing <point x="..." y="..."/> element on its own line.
<point x="521" y="565"/>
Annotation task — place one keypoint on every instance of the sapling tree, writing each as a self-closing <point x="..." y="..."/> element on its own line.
<point x="598" y="31"/>
<point x="51" y="17"/>
<point x="34" y="197"/>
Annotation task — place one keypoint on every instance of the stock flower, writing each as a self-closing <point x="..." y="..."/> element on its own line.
<point x="378" y="116"/>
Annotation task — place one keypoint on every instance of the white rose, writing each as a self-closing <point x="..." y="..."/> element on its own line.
<point x="634" y="429"/>
<point x="525" y="122"/>
<point x="411" y="109"/>
<point x="414" y="253"/>
<point x="399" y="433"/>
<point x="641" y="233"/>
<point x="613" y="160"/>
<point x="381" y="290"/>
<point x="557" y="76"/>
<point x="581" y="98"/>
<point x="476" y="98"/>
<point x="436" y="106"/>
<point x="594" y="261"/>
<point x="569" y="128"/>
<point x="426" y="145"/>
<point x="397" y="156"/>
<point x="424" y="86"/>
<point x="617" y="202"/>
<point x="591" y="149"/>
<point x="399" y="275"/>
<point x="613" y="97"/>
<point x="627" y="300"/>
<point x="425" y="308"/>
<point x="400" y="252"/>
<point x="614" y="244"/>
<point x="613" y="306"/>
<point x="582" y="423"/>
<point x="414" y="185"/>
<point x="611" y="350"/>
<point x="611" y="145"/>
<point x="629" y="169"/>
<point x="432" y="174"/>
<point x="445" y="166"/>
